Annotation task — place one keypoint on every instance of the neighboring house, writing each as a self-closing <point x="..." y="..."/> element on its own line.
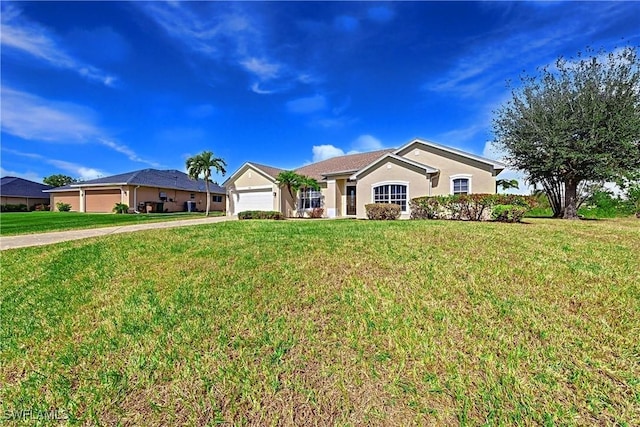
<point x="348" y="183"/>
<point x="139" y="190"/>
<point x="19" y="191"/>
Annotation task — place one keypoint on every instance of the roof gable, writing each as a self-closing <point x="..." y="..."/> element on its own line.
<point x="392" y="156"/>
<point x="417" y="141"/>
<point x="268" y="172"/>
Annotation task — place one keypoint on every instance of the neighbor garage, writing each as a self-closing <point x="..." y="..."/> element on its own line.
<point x="101" y="200"/>
<point x="253" y="200"/>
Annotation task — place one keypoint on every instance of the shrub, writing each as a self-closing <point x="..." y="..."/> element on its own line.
<point x="41" y="207"/>
<point x="508" y="213"/>
<point x="14" y="208"/>
<point x="260" y="215"/>
<point x="383" y="211"/>
<point x="465" y="207"/>
<point x="120" y="208"/>
<point x="315" y="213"/>
<point x="63" y="207"/>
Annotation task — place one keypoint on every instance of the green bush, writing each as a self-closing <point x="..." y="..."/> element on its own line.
<point x="466" y="207"/>
<point x="121" y="208"/>
<point x="63" y="207"/>
<point x="382" y="211"/>
<point x="508" y="213"/>
<point x="14" y="208"/>
<point x="260" y="215"/>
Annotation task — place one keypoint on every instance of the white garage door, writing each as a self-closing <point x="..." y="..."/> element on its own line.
<point x="253" y="201"/>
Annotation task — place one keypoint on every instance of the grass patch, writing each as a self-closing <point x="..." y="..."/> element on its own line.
<point x="329" y="322"/>
<point x="41" y="222"/>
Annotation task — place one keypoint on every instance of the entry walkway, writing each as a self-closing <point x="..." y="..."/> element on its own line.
<point x="26" y="240"/>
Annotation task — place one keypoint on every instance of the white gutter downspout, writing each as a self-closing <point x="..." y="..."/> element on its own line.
<point x="135" y="199"/>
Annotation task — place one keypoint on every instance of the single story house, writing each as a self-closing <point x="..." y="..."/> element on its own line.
<point x="348" y="183"/>
<point x="144" y="190"/>
<point x="19" y="191"/>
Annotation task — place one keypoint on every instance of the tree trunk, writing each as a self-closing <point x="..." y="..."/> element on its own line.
<point x="571" y="199"/>
<point x="206" y="185"/>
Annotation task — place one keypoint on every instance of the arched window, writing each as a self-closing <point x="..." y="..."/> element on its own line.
<point x="391" y="193"/>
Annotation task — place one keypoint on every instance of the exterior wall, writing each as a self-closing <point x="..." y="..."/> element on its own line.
<point x="251" y="178"/>
<point x="29" y="201"/>
<point x="70" y="197"/>
<point x="287" y="204"/>
<point x="482" y="175"/>
<point x="390" y="172"/>
<point x="176" y="199"/>
<point x="330" y="202"/>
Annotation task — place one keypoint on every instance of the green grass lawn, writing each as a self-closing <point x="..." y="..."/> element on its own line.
<point x="329" y="323"/>
<point x="12" y="223"/>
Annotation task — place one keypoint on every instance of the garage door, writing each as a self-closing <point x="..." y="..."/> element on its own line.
<point x="101" y="200"/>
<point x="253" y="201"/>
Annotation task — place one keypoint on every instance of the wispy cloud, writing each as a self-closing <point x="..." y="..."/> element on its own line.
<point x="33" y="118"/>
<point x="19" y="34"/>
<point x="77" y="171"/>
<point x="30" y="175"/>
<point x="311" y="104"/>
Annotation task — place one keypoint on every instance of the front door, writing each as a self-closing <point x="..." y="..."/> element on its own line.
<point x="351" y="200"/>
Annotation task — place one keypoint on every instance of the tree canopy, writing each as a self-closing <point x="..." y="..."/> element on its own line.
<point x="58" y="180"/>
<point x="201" y="164"/>
<point x="294" y="182"/>
<point x="573" y="122"/>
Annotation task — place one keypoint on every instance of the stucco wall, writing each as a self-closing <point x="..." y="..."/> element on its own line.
<point x="251" y="178"/>
<point x="390" y="172"/>
<point x="24" y="201"/>
<point x="449" y="164"/>
<point x="70" y="197"/>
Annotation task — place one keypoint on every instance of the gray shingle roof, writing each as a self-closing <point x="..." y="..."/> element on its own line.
<point x="19" y="187"/>
<point x="173" y="179"/>
<point x="346" y="164"/>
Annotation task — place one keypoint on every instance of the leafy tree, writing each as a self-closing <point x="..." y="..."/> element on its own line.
<point x="201" y="164"/>
<point x="507" y="184"/>
<point x="575" y="122"/>
<point x="58" y="180"/>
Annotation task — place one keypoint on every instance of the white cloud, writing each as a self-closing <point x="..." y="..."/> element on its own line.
<point x="257" y="89"/>
<point x="262" y="68"/>
<point x="74" y="169"/>
<point x="367" y="143"/>
<point x="30" y="175"/>
<point x="36" y="119"/>
<point x="21" y="35"/>
<point x="324" y="152"/>
<point x="307" y="105"/>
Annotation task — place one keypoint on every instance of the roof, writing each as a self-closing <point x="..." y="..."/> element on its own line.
<point x="173" y="179"/>
<point x="426" y="168"/>
<point x="269" y="170"/>
<point x="11" y="186"/>
<point x="343" y="164"/>
<point x="496" y="165"/>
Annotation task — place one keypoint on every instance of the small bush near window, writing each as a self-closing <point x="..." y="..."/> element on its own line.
<point x="14" y="208"/>
<point x="383" y="211"/>
<point x="260" y="215"/>
<point x="63" y="207"/>
<point x="508" y="213"/>
<point x="315" y="213"/>
<point x="121" y="208"/>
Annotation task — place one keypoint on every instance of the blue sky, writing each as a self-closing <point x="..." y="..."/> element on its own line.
<point x="97" y="88"/>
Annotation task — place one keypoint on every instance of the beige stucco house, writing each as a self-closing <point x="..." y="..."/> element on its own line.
<point x="348" y="183"/>
<point x="142" y="190"/>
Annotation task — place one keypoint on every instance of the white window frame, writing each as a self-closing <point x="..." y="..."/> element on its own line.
<point x="379" y="184"/>
<point x="313" y="194"/>
<point x="466" y="176"/>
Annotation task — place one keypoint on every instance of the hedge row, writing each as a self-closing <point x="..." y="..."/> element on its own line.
<point x="382" y="211"/>
<point x="260" y="215"/>
<point x="471" y="207"/>
<point x="14" y="208"/>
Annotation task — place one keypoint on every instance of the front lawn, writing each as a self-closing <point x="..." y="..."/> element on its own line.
<point x="328" y="323"/>
<point x="12" y="223"/>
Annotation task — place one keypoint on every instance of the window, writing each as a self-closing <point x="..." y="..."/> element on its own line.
<point x="192" y="196"/>
<point x="391" y="193"/>
<point x="216" y="198"/>
<point x="460" y="184"/>
<point x="310" y="199"/>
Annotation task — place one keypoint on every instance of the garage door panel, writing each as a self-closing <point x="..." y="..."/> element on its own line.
<point x="253" y="201"/>
<point x="101" y="200"/>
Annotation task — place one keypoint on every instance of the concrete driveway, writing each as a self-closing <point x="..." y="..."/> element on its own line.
<point x="26" y="240"/>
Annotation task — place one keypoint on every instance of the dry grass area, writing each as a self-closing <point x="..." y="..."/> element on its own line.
<point x="329" y="323"/>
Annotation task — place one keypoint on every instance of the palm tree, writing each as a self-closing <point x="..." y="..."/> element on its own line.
<point x="295" y="182"/>
<point x="507" y="184"/>
<point x="201" y="164"/>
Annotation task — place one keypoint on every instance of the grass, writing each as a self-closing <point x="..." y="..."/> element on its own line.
<point x="329" y="323"/>
<point x="12" y="223"/>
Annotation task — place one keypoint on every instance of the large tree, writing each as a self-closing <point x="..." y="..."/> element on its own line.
<point x="201" y="164"/>
<point x="58" y="180"/>
<point x="574" y="122"/>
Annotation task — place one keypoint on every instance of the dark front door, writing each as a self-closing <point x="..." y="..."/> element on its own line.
<point x="351" y="200"/>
